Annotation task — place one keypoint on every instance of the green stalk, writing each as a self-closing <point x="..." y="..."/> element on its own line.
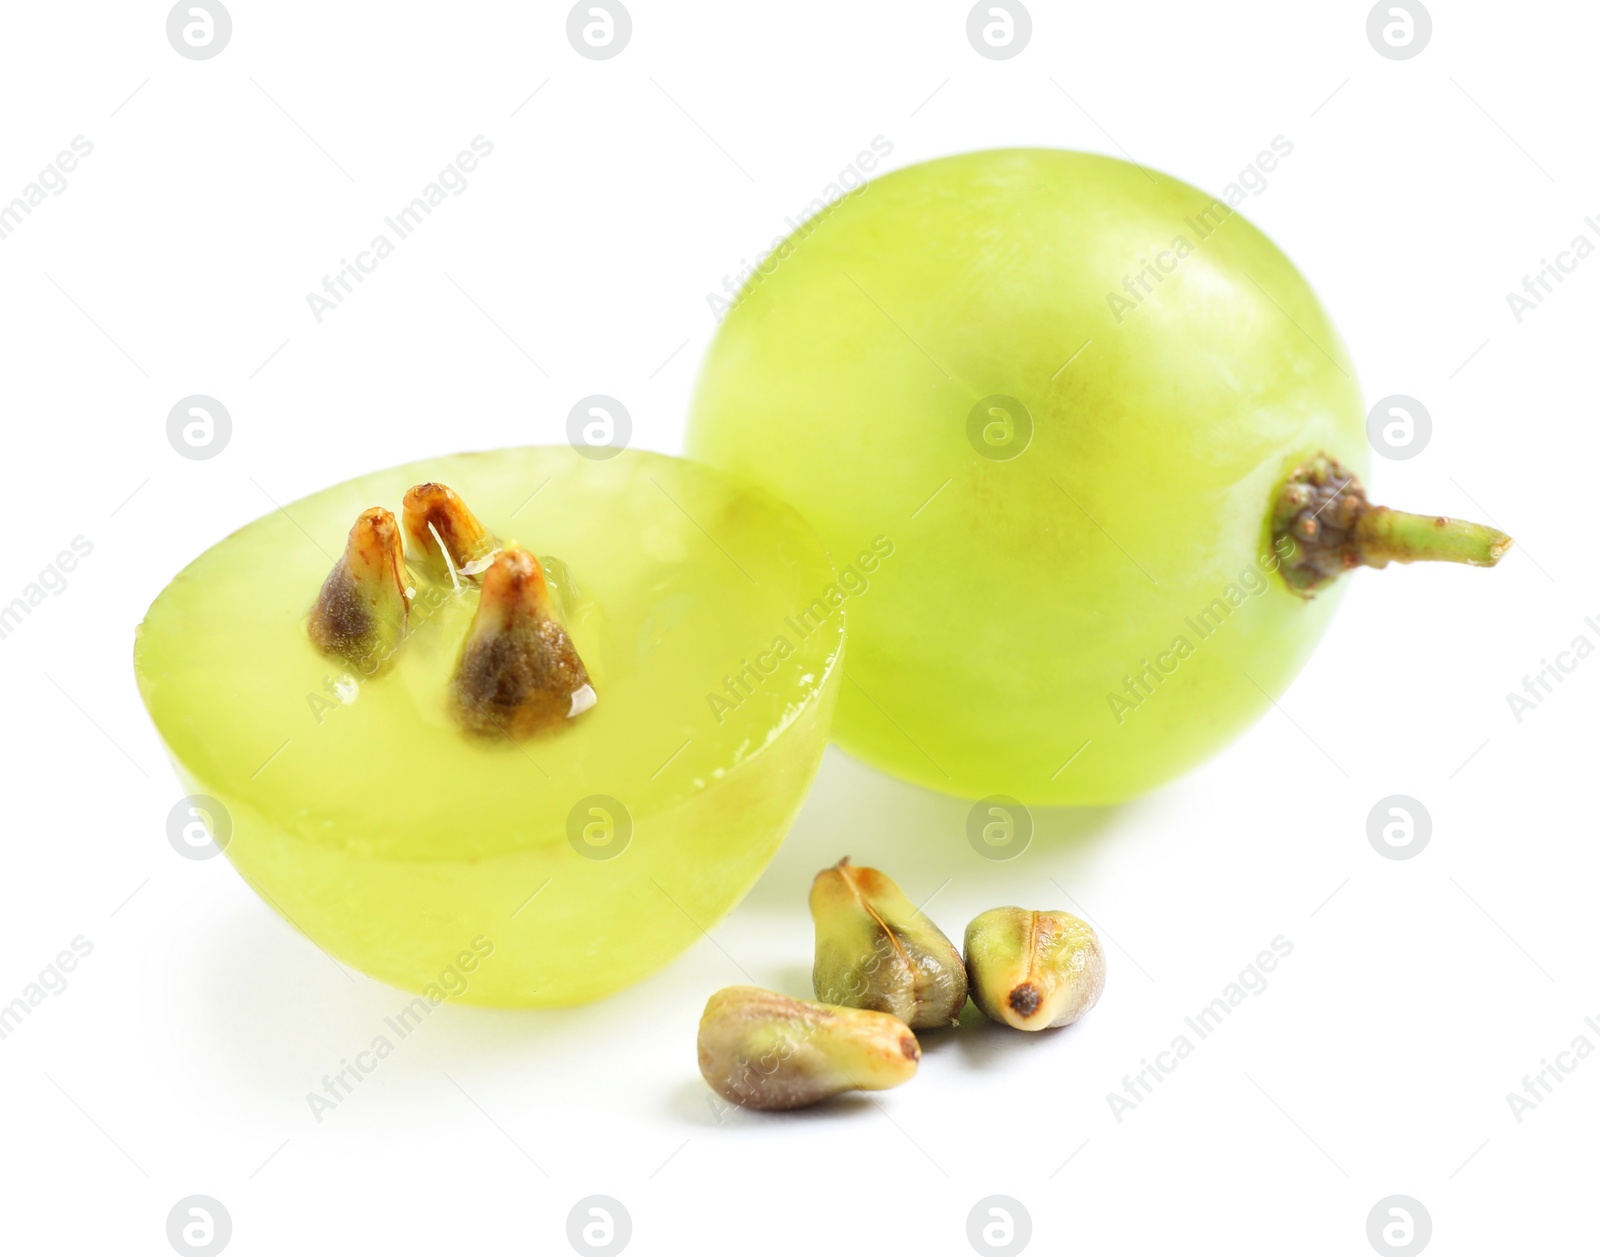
<point x="1388" y="536"/>
<point x="1322" y="525"/>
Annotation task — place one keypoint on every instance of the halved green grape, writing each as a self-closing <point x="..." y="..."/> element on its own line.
<point x="1086" y="405"/>
<point x="563" y="802"/>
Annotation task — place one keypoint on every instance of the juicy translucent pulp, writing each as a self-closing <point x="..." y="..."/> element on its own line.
<point x="1023" y="594"/>
<point x="375" y="825"/>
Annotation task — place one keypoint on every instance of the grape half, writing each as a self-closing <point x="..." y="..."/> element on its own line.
<point x="1068" y="390"/>
<point x="502" y="871"/>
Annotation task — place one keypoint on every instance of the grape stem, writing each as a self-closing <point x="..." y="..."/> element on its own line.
<point x="1323" y="525"/>
<point x="1386" y="536"/>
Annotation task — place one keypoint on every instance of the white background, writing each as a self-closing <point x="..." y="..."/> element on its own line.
<point x="1419" y="992"/>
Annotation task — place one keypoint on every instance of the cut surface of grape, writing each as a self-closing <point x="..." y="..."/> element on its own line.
<point x="561" y="866"/>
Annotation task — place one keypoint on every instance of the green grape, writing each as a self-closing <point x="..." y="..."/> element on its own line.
<point x="498" y="869"/>
<point x="1069" y="392"/>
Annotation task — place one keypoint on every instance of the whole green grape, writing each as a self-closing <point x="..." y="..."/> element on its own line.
<point x="1114" y="441"/>
<point x="435" y="851"/>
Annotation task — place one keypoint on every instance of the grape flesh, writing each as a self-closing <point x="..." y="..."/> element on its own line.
<point x="409" y="849"/>
<point x="1066" y="389"/>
